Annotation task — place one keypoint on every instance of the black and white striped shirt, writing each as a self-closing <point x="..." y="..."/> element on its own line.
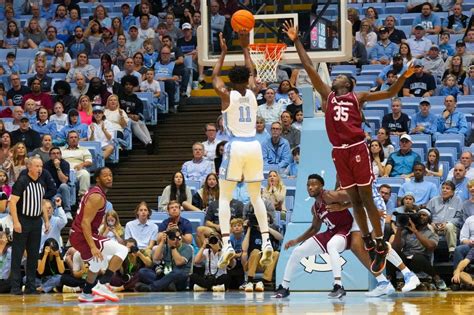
<point x="31" y="194"/>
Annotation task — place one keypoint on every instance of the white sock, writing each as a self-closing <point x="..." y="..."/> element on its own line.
<point x="285" y="284"/>
<point x="381" y="278"/>
<point x="339" y="282"/>
<point x="225" y="241"/>
<point x="405" y="271"/>
<point x="394" y="258"/>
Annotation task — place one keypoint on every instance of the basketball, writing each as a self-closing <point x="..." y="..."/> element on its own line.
<point x="242" y="19"/>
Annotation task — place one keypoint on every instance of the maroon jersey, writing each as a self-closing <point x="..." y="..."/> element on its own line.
<point x="338" y="222"/>
<point x="97" y="221"/>
<point x="343" y="119"/>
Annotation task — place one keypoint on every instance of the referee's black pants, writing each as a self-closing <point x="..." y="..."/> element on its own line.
<point x="29" y="239"/>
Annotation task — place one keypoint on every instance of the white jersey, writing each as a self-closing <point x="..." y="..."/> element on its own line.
<point x="240" y="117"/>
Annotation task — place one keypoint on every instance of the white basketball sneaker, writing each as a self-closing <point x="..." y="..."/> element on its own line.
<point x="227" y="254"/>
<point x="267" y="253"/>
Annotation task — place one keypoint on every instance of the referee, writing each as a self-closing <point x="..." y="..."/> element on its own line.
<point x="25" y="209"/>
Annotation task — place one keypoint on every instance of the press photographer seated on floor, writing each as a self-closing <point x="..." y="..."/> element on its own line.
<point x="415" y="242"/>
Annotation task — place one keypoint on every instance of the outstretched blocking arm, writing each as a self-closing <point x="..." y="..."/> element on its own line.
<point x="244" y="42"/>
<point x="391" y="92"/>
<point x="217" y="82"/>
<point x="319" y="85"/>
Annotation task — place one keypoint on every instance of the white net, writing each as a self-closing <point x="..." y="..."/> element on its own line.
<point x="266" y="58"/>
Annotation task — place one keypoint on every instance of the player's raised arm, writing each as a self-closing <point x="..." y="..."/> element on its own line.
<point x="244" y="42"/>
<point x="391" y="92"/>
<point x="217" y="82"/>
<point x="319" y="85"/>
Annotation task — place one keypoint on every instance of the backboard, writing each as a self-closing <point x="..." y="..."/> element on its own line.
<point x="324" y="29"/>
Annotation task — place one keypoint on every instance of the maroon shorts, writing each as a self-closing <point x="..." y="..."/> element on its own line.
<point x="323" y="238"/>
<point x="79" y="243"/>
<point x="353" y="165"/>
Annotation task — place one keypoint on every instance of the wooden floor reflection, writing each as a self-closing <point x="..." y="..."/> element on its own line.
<point x="187" y="303"/>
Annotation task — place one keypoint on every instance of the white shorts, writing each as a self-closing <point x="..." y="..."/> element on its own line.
<point x="243" y="160"/>
<point x="110" y="248"/>
<point x="355" y="227"/>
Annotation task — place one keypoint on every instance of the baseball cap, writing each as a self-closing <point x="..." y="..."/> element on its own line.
<point x="11" y="54"/>
<point x="460" y="42"/>
<point x="73" y="112"/>
<point x="417" y="63"/>
<point x="24" y="118"/>
<point x="409" y="193"/>
<point x="406" y="137"/>
<point x="425" y="211"/>
<point x="125" y="5"/>
<point x="434" y="47"/>
<point x="383" y="30"/>
<point x="132" y="26"/>
<point x="97" y="109"/>
<point x="186" y="26"/>
<point x="425" y="100"/>
<point x="109" y="29"/>
<point x="419" y="27"/>
<point x="397" y="56"/>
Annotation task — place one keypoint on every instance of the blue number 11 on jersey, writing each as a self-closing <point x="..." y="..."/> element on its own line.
<point x="244" y="114"/>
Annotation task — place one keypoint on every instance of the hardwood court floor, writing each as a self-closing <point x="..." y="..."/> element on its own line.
<point x="184" y="303"/>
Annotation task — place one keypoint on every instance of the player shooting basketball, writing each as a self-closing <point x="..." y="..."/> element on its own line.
<point x="243" y="158"/>
<point x="342" y="108"/>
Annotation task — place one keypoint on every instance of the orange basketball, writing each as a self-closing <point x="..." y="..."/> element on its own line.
<point x="242" y="19"/>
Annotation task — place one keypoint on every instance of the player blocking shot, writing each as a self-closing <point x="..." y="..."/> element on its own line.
<point x="93" y="247"/>
<point x="243" y="159"/>
<point x="333" y="241"/>
<point x="343" y="118"/>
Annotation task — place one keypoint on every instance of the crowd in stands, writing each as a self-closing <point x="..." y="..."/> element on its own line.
<point x="68" y="99"/>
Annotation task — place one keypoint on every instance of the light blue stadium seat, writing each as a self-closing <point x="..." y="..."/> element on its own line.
<point x="26" y="53"/>
<point x="410" y="112"/>
<point x="395" y="142"/>
<point x="433" y="38"/>
<point x="374" y="116"/>
<point x="193" y="184"/>
<point x="405" y="28"/>
<point x="195" y="217"/>
<point x="361" y="88"/>
<point x="366" y="79"/>
<point x="4" y="53"/>
<point x="445" y="170"/>
<point x="407" y="20"/>
<point x="437" y="109"/>
<point x="72" y="186"/>
<point x="395" y="8"/>
<point x="150" y="111"/>
<point x="158" y="217"/>
<point x="290" y="203"/>
<point x="344" y="69"/>
<point x="421" y="152"/>
<point x="96" y="151"/>
<point x="291" y="191"/>
<point x="393" y="198"/>
<point x="433" y="179"/>
<point x="451" y="140"/>
<point x="421" y="141"/>
<point x="465" y="99"/>
<point x="448" y="154"/>
<point x="437" y="100"/>
<point x="289" y="182"/>
<point x="379" y="105"/>
<point x="95" y="63"/>
<point x="371" y="69"/>
<point x="394" y="182"/>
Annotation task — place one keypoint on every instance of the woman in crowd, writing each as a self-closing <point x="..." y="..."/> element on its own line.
<point x="61" y="62"/>
<point x="116" y="116"/>
<point x="138" y="63"/>
<point x="275" y="192"/>
<point x="120" y="53"/>
<point x="93" y="33"/>
<point x="13" y="37"/>
<point x="405" y="52"/>
<point x="106" y="64"/>
<point x="100" y="15"/>
<point x="220" y="148"/>
<point x="34" y="35"/>
<point x="383" y="136"/>
<point x="177" y="190"/>
<point x="111" y="227"/>
<point x="83" y="67"/>
<point x="378" y="158"/>
<point x="84" y="106"/>
<point x="17" y="162"/>
<point x="40" y="56"/>
<point x="5" y="148"/>
<point x="433" y="166"/>
<point x="372" y="16"/>
<point x="117" y="27"/>
<point x="221" y="134"/>
<point x="99" y="130"/>
<point x="456" y="68"/>
<point x="207" y="194"/>
<point x="282" y="93"/>
<point x="366" y="35"/>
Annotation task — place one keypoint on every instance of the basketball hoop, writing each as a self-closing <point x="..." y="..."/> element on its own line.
<point x="266" y="58"/>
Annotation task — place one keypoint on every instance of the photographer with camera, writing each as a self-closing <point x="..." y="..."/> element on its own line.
<point x="251" y="252"/>
<point x="214" y="278"/>
<point x="407" y="205"/>
<point x="127" y="277"/>
<point x="50" y="266"/>
<point x="415" y="242"/>
<point x="174" y="258"/>
<point x="5" y="259"/>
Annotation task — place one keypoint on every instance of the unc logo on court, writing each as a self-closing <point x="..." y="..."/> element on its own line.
<point x="311" y="265"/>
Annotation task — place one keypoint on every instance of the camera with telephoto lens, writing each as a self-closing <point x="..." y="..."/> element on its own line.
<point x="403" y="219"/>
<point x="213" y="240"/>
<point x="171" y="234"/>
<point x="134" y="249"/>
<point x="6" y="231"/>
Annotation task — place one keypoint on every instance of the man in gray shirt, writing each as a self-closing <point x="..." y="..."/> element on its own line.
<point x="443" y="209"/>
